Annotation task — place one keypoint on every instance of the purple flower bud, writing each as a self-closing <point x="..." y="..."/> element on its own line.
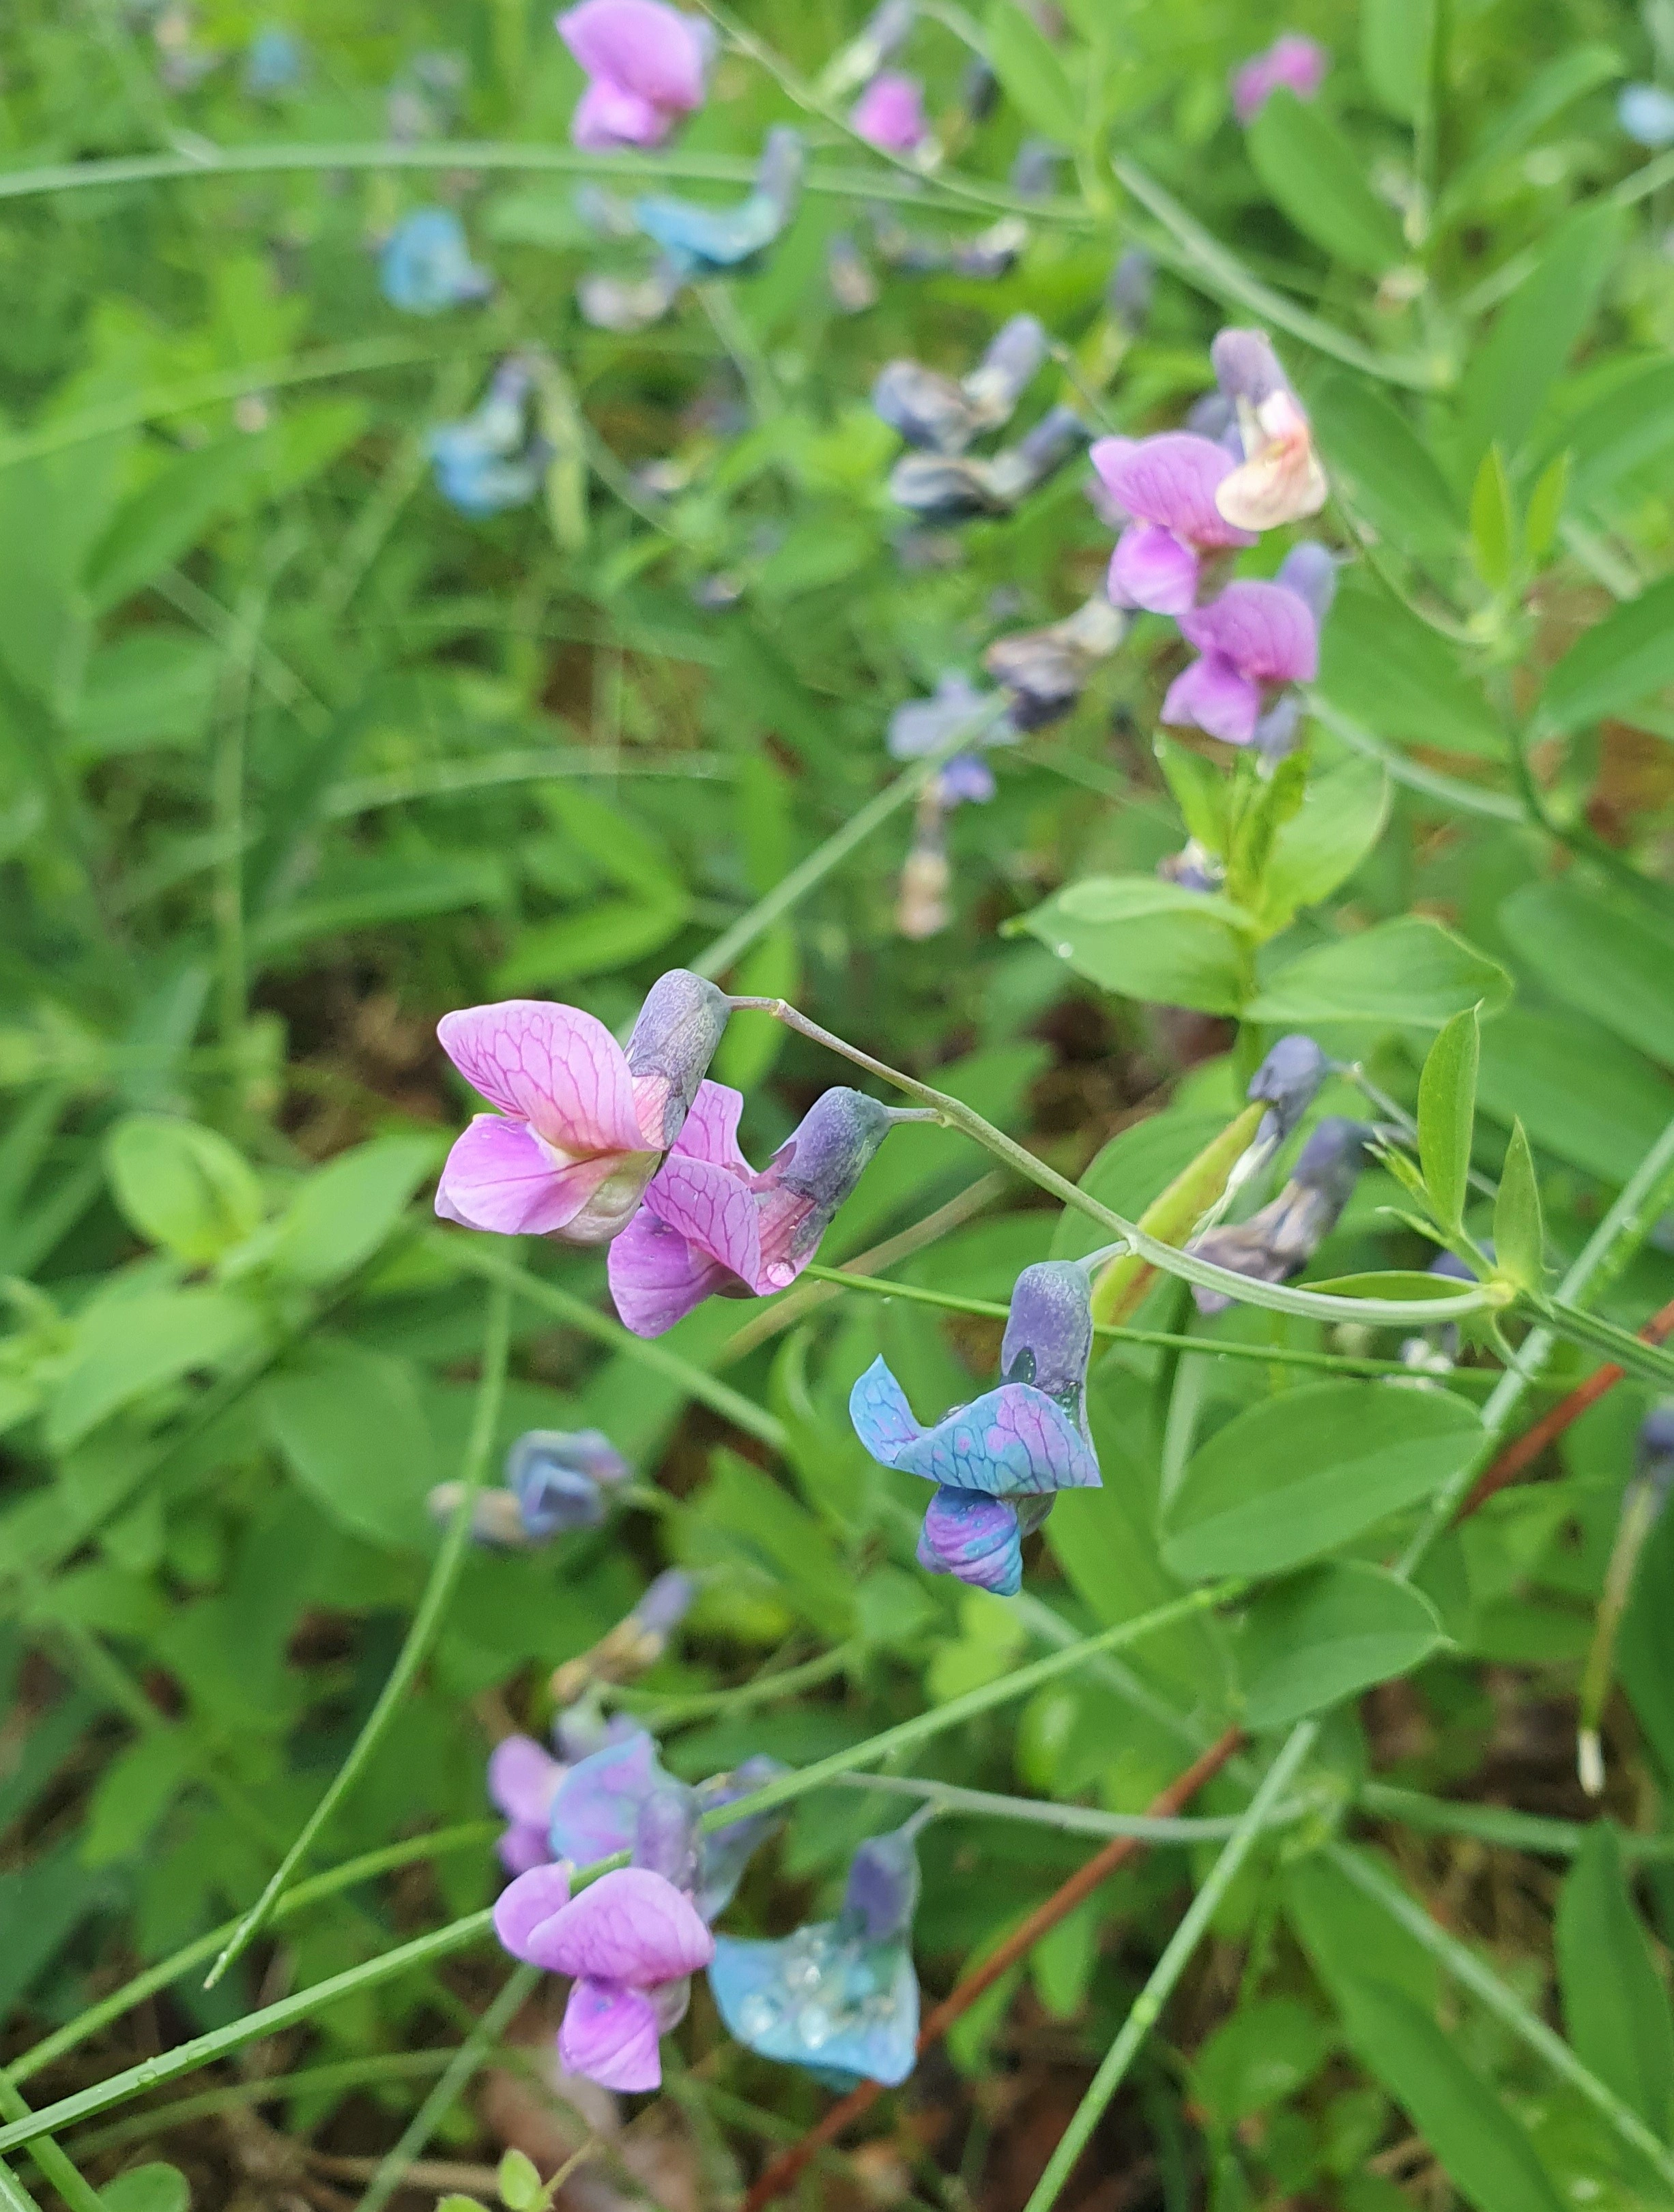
<point x="1655" y="1457"/>
<point x="929" y="410"/>
<point x="1279" y="1241"/>
<point x="556" y="1477"/>
<point x="890" y="113"/>
<point x="1034" y="171"/>
<point x="1297" y="63"/>
<point x="1288" y="1080"/>
<point x="666" y="1603"/>
<point x="1046" y="671"/>
<point x="1279" y="730"/>
<point x="979" y="89"/>
<point x="996" y="384"/>
<point x="967" y="779"/>
<point x="922" y="725"/>
<point x="672" y="1044"/>
<point x="881" y="1894"/>
<point x="1331" y="1160"/>
<point x="1309" y="569"/>
<point x="1049" y="1332"/>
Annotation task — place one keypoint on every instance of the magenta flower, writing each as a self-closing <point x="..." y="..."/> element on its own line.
<point x="1253" y="638"/>
<point x="630" y="1941"/>
<point x="645" y="65"/>
<point x="523" y="1779"/>
<point x="1167" y="484"/>
<point x="583" y="1124"/>
<point x="890" y="113"/>
<point x="1298" y="64"/>
<point x="711" y="1226"/>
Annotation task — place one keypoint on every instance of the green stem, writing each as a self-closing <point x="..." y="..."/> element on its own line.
<point x="361" y="794"/>
<point x="1495" y="1823"/>
<point x="470" y="2054"/>
<point x="660" y="1713"/>
<point x="57" y="2169"/>
<point x="1070" y="1820"/>
<point x="1468" y="1970"/>
<point x="1148" y="2005"/>
<point x="426" y="1622"/>
<point x="343" y="2074"/>
<point x="1640" y="1506"/>
<point x="14" y="2197"/>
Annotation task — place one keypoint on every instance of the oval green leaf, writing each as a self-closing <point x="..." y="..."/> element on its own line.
<point x="1145" y="938"/>
<point x="1327" y="1635"/>
<point x="1410" y="973"/>
<point x="1312" y="176"/>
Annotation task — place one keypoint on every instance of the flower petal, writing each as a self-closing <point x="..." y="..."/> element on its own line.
<point x="1211" y="696"/>
<point x="710" y="1130"/>
<point x="594" y="1811"/>
<point x="1169" y="480"/>
<point x="528" y="1904"/>
<point x="975" y="1538"/>
<point x="523" y="1846"/>
<point x="714" y="1208"/>
<point x="657" y="1277"/>
<point x="556" y="1067"/>
<point x="890" y="112"/>
<point x="610" y="2035"/>
<point x="1010" y="1442"/>
<point x="1267" y="632"/>
<point x="631" y="1926"/>
<point x="1153" y="568"/>
<point x="522" y="1775"/>
<point x="497" y="1176"/>
<point x="641" y="46"/>
<point x="814" y="2000"/>
<point x="609" y="115"/>
<point x="882" y="1419"/>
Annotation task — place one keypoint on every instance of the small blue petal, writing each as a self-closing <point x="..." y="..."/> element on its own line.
<point x="426" y="265"/>
<point x="1012" y="1440"/>
<point x="817" y="2001"/>
<point x="974" y="1537"/>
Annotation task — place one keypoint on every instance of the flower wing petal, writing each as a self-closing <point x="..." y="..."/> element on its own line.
<point x="656" y="1276"/>
<point x="1012" y="1440"/>
<point x="632" y="1926"/>
<point x="526" y="1907"/>
<point x="522" y="1776"/>
<point x="609" y="2034"/>
<point x="882" y="1417"/>
<point x="497" y="1176"/>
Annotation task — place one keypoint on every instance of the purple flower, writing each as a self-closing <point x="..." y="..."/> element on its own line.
<point x="1288" y="1080"/>
<point x="1194" y="867"/>
<point x="944" y="489"/>
<point x="630" y="1941"/>
<point x="1279" y="1241"/>
<point x="1167" y="484"/>
<point x="936" y="415"/>
<point x="644" y="64"/>
<point x="711" y="1226"/>
<point x="1046" y="671"/>
<point x="581" y="1123"/>
<point x="1279" y="478"/>
<point x="1252" y="638"/>
<point x="523" y="1781"/>
<point x="890" y="113"/>
<point x="1298" y="64"/>
<point x="998" y="1461"/>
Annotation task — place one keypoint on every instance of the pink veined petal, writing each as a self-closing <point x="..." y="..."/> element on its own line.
<point x="497" y="1176"/>
<point x="781" y="1216"/>
<point x="610" y="2035"/>
<point x="608" y="115"/>
<point x="1169" y="480"/>
<point x="641" y="45"/>
<point x="657" y="1277"/>
<point x="1212" y="696"/>
<point x="557" y="1068"/>
<point x="611" y="1188"/>
<point x="710" y="1129"/>
<point x="1268" y="633"/>
<point x="527" y="1907"/>
<point x="890" y="112"/>
<point x="521" y="1777"/>
<point x="523" y="1845"/>
<point x="713" y="1209"/>
<point x="1152" y="568"/>
<point x="631" y="1926"/>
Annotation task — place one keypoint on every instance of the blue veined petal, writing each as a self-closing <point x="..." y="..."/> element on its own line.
<point x="817" y="2000"/>
<point x="882" y="1417"/>
<point x="976" y="1538"/>
<point x="1012" y="1440"/>
<point x="701" y="240"/>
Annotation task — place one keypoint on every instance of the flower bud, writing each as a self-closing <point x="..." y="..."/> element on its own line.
<point x="673" y="1042"/>
<point x="820" y="1162"/>
<point x="555" y="1477"/>
<point x="881" y="1894"/>
<point x="1288" y="1080"/>
<point x="1128" y="295"/>
<point x="1309" y="569"/>
<point x="929" y="410"/>
<point x="1049" y="1331"/>
<point x="996" y="384"/>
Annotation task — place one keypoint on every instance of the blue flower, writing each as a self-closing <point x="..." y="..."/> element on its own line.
<point x="553" y="1479"/>
<point x="704" y="242"/>
<point x="494" y="459"/>
<point x="724" y="1853"/>
<point x="426" y="265"/>
<point x="998" y="1462"/>
<point x="1646" y="113"/>
<point x="839" y="1998"/>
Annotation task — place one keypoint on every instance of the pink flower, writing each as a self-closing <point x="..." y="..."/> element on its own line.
<point x="1253" y="637"/>
<point x="523" y="1780"/>
<point x="1168" y="485"/>
<point x="645" y="65"/>
<point x="1280" y="479"/>
<point x="890" y="113"/>
<point x="630" y="1941"/>
<point x="711" y="1226"/>
<point x="1298" y="64"/>
<point x="583" y="1124"/>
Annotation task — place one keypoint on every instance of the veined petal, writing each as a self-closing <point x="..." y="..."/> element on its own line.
<point x="1211" y="696"/>
<point x="974" y="1537"/>
<point x="710" y="1129"/>
<point x="714" y="1208"/>
<point x="556" y="1067"/>
<point x="641" y="45"/>
<point x="656" y="1276"/>
<point x="1267" y="632"/>
<point x="525" y="1906"/>
<point x="1009" y="1442"/>
<point x="609" y="2034"/>
<point x="882" y="1417"/>
<point x="1153" y="568"/>
<point x="631" y="1926"/>
<point x="1170" y="481"/>
<point x="497" y="1176"/>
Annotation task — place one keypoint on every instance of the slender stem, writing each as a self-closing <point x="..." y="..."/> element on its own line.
<point x="470" y="2054"/>
<point x="1148" y="2005"/>
<point x="14" y="2197"/>
<point x="263" y="2089"/>
<point x="1071" y="1820"/>
<point x="56" y="2168"/>
<point x="1496" y="1824"/>
<point x="1467" y="1969"/>
<point x="1640" y="1506"/>
<point x="661" y="1713"/>
<point x="1310" y="1304"/>
<point x="447" y="779"/>
<point x="426" y="1622"/>
<point x="1451" y="790"/>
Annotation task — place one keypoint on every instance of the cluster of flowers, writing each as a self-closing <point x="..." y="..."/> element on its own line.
<point x="839" y="1997"/>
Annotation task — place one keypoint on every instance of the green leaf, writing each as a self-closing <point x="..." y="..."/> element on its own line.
<point x="454" y="2202"/>
<point x="1481" y="2147"/>
<point x="133" y="1795"/>
<point x="1615" y="2006"/>
<point x="1614" y="664"/>
<point x="155" y="2187"/>
<point x="520" y="2186"/>
<point x="1265" y="2052"/>
<point x="1508" y="379"/>
<point x="612" y="933"/>
<point x="1312" y="175"/>
<point x="1293" y="1476"/>
<point x="1492" y="523"/>
<point x="1602" y="954"/>
<point x="1348" y="1938"/>
<point x="346" y="1209"/>
<point x="1409" y="973"/>
<point x="352" y="1426"/>
<point x="154" y="687"/>
<point x="1031" y="72"/>
<point x="1127" y="1173"/>
<point x="1343" y="813"/>
<point x="181" y="1185"/>
<point x="1584" y="1097"/>
<point x="1545" y="511"/>
<point x="126" y="1346"/>
<point x="1383" y="668"/>
<point x="1520" y="1240"/>
<point x="1623" y="428"/>
<point x="1448" y="1115"/>
<point x="1394" y="53"/>
<point x="1374" y="454"/>
<point x="1145" y="939"/>
<point x="1326" y="1635"/>
<point x="1575" y="73"/>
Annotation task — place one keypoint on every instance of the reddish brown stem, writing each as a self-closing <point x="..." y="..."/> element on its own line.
<point x="1522" y="1455"/>
<point x="784" y="2170"/>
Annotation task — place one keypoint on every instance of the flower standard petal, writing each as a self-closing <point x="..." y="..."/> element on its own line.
<point x="1266" y="631"/>
<point x="554" y="1067"/>
<point x="1169" y="480"/>
<point x="1014" y="1441"/>
<point x="890" y="113"/>
<point x="641" y="46"/>
<point x="631" y="1926"/>
<point x="609" y="2034"/>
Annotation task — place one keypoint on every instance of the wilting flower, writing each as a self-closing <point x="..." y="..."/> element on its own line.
<point x="998" y="1461"/>
<point x="1280" y="479"/>
<point x="625" y="304"/>
<point x="711" y="1226"/>
<point x="644" y="64"/>
<point x="1298" y="64"/>
<point x="276" y="62"/>
<point x="1646" y="113"/>
<point x="922" y="909"/>
<point x="424" y="100"/>
<point x="426" y="265"/>
<point x="1288" y="1080"/>
<point x="631" y="1942"/>
<point x="1046" y="671"/>
<point x="583" y="1124"/>
<point x="555" y="1481"/>
<point x="1253" y="639"/>
<point x="637" y="1641"/>
<point x="1167" y="485"/>
<point x="989" y="254"/>
<point x="944" y="489"/>
<point x="936" y="415"/>
<point x="495" y="458"/>
<point x="701" y="241"/>
<point x="840" y="1996"/>
<point x="1127" y="295"/>
<point x="1279" y="1241"/>
<point x="885" y="30"/>
<point x="890" y="113"/>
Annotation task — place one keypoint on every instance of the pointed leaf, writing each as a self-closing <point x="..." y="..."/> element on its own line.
<point x="1314" y="176"/>
<point x="1447" y="1115"/>
<point x="1518" y="1233"/>
<point x="1615" y="2006"/>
